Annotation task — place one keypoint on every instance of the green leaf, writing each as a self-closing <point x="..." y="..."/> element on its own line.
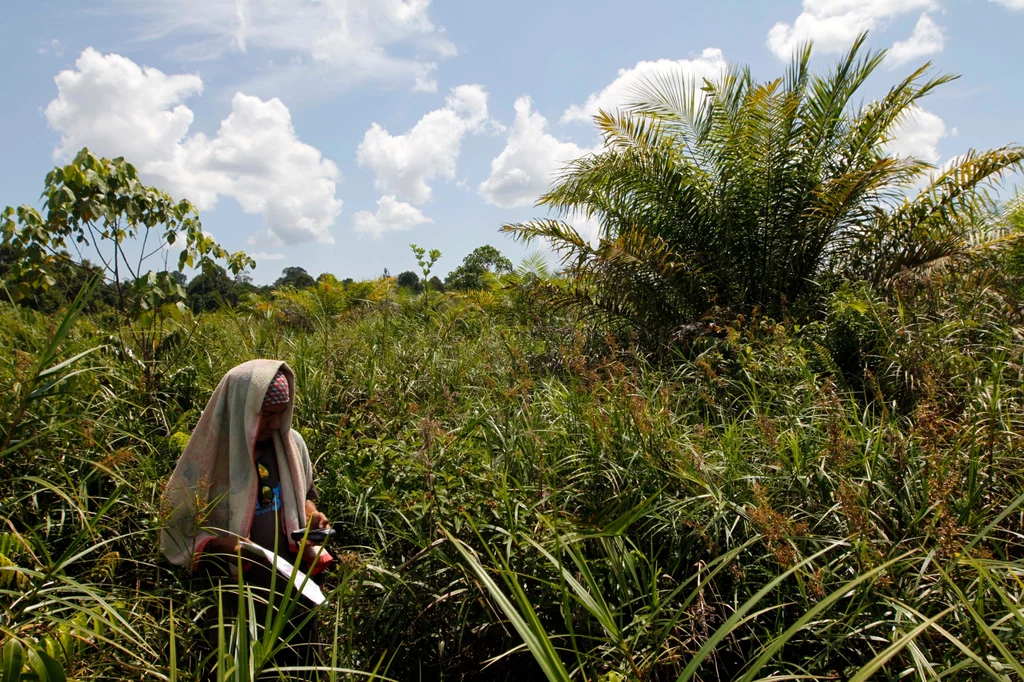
<point x="45" y="668"/>
<point x="13" y="661"/>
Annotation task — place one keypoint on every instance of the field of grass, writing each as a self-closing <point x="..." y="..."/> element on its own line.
<point x="520" y="500"/>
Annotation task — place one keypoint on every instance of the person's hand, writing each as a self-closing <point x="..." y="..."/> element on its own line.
<point x="317" y="519"/>
<point x="227" y="544"/>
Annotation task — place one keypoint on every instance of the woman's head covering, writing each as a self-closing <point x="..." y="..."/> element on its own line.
<point x="279" y="391"/>
<point x="213" y="488"/>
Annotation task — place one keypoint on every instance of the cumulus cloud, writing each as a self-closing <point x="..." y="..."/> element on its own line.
<point x="117" y="108"/>
<point x="390" y="41"/>
<point x="834" y="24"/>
<point x="405" y="164"/>
<point x="257" y="159"/>
<point x="267" y="256"/>
<point x="927" y="38"/>
<point x="108" y="102"/>
<point x="529" y="161"/>
<point x="918" y="136"/>
<point x="620" y="92"/>
<point x="391" y="214"/>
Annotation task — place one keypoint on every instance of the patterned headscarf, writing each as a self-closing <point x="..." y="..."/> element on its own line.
<point x="278" y="392"/>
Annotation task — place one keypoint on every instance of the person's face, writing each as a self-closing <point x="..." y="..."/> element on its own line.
<point x="270" y="420"/>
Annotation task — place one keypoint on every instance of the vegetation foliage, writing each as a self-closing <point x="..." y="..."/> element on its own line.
<point x="821" y="478"/>
<point x="739" y="195"/>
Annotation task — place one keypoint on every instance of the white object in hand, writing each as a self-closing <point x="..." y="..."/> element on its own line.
<point x="307" y="587"/>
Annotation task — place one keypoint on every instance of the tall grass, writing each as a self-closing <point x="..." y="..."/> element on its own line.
<point x="518" y="501"/>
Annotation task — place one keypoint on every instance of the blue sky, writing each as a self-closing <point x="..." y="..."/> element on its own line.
<point x="332" y="133"/>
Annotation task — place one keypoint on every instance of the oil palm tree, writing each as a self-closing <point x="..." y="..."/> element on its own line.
<point x="741" y="195"/>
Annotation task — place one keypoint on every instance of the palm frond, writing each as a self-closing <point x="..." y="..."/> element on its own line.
<point x="952" y="217"/>
<point x="758" y="190"/>
<point x="534" y="265"/>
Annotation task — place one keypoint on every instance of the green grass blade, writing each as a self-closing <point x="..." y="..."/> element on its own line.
<point x="813" y="612"/>
<point x="881" y="659"/>
<point x="725" y="628"/>
<point x="528" y="627"/>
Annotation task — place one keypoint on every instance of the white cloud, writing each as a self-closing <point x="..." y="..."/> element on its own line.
<point x="1011" y="4"/>
<point x="531" y="158"/>
<point x="389" y="41"/>
<point x="918" y="136"/>
<point x="265" y="238"/>
<point x="257" y="159"/>
<point x="709" y="65"/>
<point x="927" y="38"/>
<point x="267" y="256"/>
<point x="391" y="215"/>
<point x="54" y="47"/>
<point x="424" y="84"/>
<point x="834" y="24"/>
<point x="117" y="108"/>
<point x="405" y="164"/>
<point x="108" y="102"/>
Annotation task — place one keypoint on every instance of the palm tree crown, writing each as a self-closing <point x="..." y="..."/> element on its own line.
<point x="742" y="195"/>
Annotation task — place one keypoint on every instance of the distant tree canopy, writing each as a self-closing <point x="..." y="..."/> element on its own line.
<point x="410" y="280"/>
<point x="470" y="275"/>
<point x="69" y="278"/>
<point x="296" y="277"/>
<point x="102" y="203"/>
<point x="211" y="290"/>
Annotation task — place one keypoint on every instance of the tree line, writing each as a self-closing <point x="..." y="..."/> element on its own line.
<point x="215" y="287"/>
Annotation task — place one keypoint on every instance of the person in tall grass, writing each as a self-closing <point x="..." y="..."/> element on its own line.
<point x="245" y="475"/>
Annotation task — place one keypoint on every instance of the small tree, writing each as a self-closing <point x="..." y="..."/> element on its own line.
<point x="471" y="274"/>
<point x="410" y="280"/>
<point x="101" y="204"/>
<point x="728" y="196"/>
<point x="426" y="261"/>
